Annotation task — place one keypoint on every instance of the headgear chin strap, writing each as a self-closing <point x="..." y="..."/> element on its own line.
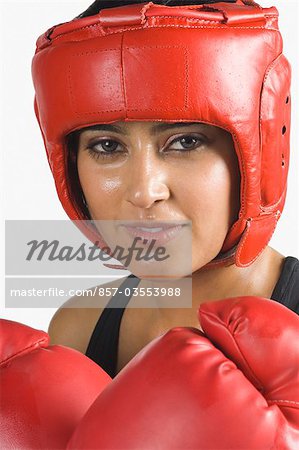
<point x="221" y="64"/>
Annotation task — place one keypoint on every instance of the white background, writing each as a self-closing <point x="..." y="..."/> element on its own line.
<point x="28" y="189"/>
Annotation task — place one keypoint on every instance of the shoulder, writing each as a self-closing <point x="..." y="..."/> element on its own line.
<point x="73" y="324"/>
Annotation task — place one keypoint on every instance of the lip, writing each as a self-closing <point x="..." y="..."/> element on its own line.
<point x="168" y="233"/>
<point x="151" y="224"/>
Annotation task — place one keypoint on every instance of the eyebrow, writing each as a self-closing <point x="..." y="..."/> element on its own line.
<point x="158" y="127"/>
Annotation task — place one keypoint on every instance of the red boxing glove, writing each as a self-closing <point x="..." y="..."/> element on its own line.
<point x="45" y="390"/>
<point x="234" y="387"/>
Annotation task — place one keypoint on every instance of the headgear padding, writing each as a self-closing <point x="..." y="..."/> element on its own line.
<point x="220" y="64"/>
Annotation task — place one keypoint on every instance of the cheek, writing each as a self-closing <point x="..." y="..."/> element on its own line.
<point x="208" y="192"/>
<point x="208" y="203"/>
<point x="100" y="190"/>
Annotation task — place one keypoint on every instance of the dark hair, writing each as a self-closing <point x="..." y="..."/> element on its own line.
<point x="98" y="5"/>
<point x="73" y="181"/>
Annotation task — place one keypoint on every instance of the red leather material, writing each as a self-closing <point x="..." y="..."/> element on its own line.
<point x="45" y="390"/>
<point x="275" y="131"/>
<point x="265" y="349"/>
<point x="131" y="15"/>
<point x="18" y="340"/>
<point x="256" y="235"/>
<point x="234" y="386"/>
<point x="153" y="62"/>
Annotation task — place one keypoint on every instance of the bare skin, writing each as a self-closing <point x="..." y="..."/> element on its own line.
<point x="186" y="172"/>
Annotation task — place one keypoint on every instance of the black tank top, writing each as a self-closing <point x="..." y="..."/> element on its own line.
<point x="103" y="345"/>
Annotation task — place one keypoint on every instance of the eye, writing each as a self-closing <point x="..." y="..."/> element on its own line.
<point x="108" y="148"/>
<point x="103" y="148"/>
<point x="187" y="142"/>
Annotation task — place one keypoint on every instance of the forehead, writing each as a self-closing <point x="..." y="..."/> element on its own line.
<point x="152" y="127"/>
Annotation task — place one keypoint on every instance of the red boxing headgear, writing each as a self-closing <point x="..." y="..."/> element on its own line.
<point x="221" y="64"/>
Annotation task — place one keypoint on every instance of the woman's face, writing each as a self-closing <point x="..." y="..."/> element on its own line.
<point x="163" y="171"/>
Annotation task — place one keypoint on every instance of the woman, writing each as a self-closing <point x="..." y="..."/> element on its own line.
<point x="218" y="155"/>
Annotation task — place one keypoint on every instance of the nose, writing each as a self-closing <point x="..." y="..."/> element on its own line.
<point x="147" y="181"/>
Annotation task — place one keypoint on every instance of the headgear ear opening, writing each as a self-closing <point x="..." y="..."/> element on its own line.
<point x="115" y="66"/>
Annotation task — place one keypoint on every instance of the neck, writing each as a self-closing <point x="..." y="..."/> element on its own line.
<point x="259" y="279"/>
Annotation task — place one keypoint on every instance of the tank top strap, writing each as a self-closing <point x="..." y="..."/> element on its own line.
<point x="103" y="344"/>
<point x="286" y="290"/>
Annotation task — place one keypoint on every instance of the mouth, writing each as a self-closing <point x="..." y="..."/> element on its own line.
<point x="161" y="232"/>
